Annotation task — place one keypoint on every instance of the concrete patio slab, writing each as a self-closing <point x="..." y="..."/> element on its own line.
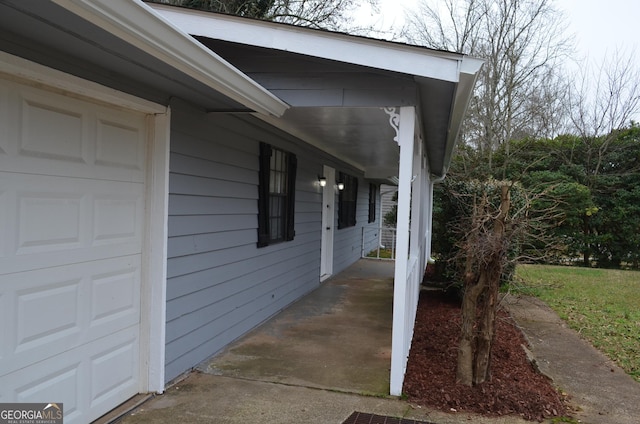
<point x="317" y="362"/>
<point x="327" y="356"/>
<point x="337" y="338"/>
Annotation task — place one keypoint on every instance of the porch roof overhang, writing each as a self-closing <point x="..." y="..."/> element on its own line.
<point x="125" y="45"/>
<point x="338" y="86"/>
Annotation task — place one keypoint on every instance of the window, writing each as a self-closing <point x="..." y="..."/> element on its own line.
<point x="373" y="190"/>
<point x="276" y="201"/>
<point x="347" y="200"/>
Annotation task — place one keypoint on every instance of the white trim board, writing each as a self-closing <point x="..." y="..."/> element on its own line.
<point x="153" y="290"/>
<point x="19" y="69"/>
<point x="139" y="25"/>
<point x="154" y="301"/>
<point x="411" y="60"/>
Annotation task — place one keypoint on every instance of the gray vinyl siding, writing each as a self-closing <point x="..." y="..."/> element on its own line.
<point x="348" y="241"/>
<point x="219" y="283"/>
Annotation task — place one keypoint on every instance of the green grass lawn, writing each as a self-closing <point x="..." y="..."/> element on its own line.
<point x="382" y="254"/>
<point x="602" y="305"/>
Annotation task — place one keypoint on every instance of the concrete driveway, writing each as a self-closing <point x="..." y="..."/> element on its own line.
<point x="328" y="355"/>
<point x="317" y="361"/>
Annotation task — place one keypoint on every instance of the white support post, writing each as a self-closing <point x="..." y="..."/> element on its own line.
<point x="154" y="301"/>
<point x="399" y="353"/>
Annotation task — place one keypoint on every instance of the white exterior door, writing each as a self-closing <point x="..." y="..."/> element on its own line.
<point x="72" y="208"/>
<point x="328" y="218"/>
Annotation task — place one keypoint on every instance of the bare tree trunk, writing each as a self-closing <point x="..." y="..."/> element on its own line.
<point x="480" y="301"/>
<point x="467" y="346"/>
<point x="486" y="327"/>
<point x="491" y="271"/>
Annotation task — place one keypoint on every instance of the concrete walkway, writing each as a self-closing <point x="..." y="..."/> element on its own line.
<point x="600" y="391"/>
<point x="328" y="355"/>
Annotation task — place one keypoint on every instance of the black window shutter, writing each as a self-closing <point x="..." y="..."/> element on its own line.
<point x="352" y="212"/>
<point x="373" y="189"/>
<point x="291" y="197"/>
<point x="263" y="195"/>
<point x="347" y="201"/>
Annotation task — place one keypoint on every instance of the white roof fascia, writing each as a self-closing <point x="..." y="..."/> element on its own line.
<point x="469" y="71"/>
<point x="406" y="59"/>
<point x="139" y="25"/>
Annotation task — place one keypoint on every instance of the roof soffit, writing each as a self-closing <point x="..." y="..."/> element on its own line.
<point x="99" y="35"/>
<point x="379" y="54"/>
<point x="300" y="65"/>
<point x="306" y="81"/>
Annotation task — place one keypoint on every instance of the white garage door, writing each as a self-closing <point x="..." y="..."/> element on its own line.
<point x="72" y="184"/>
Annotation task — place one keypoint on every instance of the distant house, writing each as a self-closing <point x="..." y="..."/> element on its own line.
<point x="160" y="184"/>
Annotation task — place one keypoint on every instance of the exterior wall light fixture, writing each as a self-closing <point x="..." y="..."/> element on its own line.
<point x="340" y="185"/>
<point x="322" y="181"/>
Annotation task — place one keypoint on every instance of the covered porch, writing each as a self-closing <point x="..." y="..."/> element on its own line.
<point x="336" y="338"/>
<point x="391" y="111"/>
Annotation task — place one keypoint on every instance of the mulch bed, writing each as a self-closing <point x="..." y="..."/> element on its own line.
<point x="516" y="388"/>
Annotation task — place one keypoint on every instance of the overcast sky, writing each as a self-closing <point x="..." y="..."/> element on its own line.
<point x="600" y="26"/>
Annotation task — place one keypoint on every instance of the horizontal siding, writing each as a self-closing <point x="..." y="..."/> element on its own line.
<point x="202" y="223"/>
<point x="348" y="241"/>
<point x="256" y="284"/>
<point x="204" y="186"/>
<point x="192" y="286"/>
<point x="180" y="204"/>
<point x="236" y="322"/>
<point x="220" y="285"/>
<point x="200" y="243"/>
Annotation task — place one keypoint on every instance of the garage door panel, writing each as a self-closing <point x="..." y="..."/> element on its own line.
<point x="115" y="295"/>
<point x="114" y="370"/>
<point x="55" y="221"/>
<point x="72" y="231"/>
<point x="119" y="144"/>
<point x="47" y="313"/>
<point x="18" y="264"/>
<point x="117" y="218"/>
<point x="56" y="135"/>
<point x="30" y="333"/>
<point x="52" y="130"/>
<point x="36" y="165"/>
<point x="53" y="382"/>
<point x="49" y="221"/>
<point x="54" y="313"/>
<point x="51" y="209"/>
<point x="85" y="379"/>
